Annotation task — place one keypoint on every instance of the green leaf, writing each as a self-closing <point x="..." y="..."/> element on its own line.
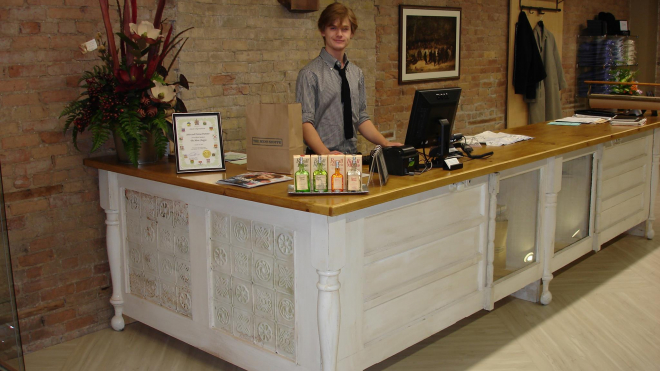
<point x="128" y="40"/>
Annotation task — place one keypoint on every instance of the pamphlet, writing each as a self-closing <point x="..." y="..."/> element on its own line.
<point x="251" y="180"/>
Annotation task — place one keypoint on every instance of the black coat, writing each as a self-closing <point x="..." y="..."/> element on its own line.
<point x="528" y="69"/>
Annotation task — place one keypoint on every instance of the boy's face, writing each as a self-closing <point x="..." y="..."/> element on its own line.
<point x="338" y="35"/>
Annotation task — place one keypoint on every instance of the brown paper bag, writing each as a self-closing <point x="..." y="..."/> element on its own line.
<point x="274" y="135"/>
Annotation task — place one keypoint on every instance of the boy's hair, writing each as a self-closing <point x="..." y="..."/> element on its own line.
<point x="337" y="11"/>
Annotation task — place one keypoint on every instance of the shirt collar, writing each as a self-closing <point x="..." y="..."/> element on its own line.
<point x="330" y="60"/>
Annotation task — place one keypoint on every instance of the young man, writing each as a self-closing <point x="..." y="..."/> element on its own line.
<point x="332" y="92"/>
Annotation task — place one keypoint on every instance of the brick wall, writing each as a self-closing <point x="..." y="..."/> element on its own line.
<point x="239" y="52"/>
<point x="56" y="227"/>
<point x="483" y="67"/>
<point x="252" y="52"/>
<point x="576" y="14"/>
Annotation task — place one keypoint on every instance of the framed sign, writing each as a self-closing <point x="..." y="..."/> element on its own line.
<point x="198" y="142"/>
<point x="429" y="43"/>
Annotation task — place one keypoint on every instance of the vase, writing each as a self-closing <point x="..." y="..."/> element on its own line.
<point x="146" y="155"/>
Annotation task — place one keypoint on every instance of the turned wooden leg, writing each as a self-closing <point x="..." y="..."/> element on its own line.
<point x="650" y="233"/>
<point x="546" y="295"/>
<point x="113" y="241"/>
<point x="329" y="316"/>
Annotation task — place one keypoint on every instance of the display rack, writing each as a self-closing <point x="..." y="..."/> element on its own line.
<point x="599" y="56"/>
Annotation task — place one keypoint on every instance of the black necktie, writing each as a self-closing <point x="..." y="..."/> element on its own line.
<point x="346" y="99"/>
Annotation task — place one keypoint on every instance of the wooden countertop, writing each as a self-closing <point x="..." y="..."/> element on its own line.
<point x="549" y="140"/>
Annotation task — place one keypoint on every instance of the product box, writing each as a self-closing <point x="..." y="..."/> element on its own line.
<point x="307" y="160"/>
<point x="333" y="159"/>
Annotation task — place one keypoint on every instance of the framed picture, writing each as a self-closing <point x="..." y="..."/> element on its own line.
<point x="198" y="142"/>
<point x="429" y="43"/>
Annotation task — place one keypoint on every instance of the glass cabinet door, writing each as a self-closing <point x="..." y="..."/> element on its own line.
<point x="515" y="223"/>
<point x="573" y="202"/>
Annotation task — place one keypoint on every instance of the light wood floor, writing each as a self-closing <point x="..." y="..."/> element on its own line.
<point x="605" y="315"/>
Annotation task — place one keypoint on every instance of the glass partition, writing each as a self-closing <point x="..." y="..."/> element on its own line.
<point x="574" y="202"/>
<point x="11" y="355"/>
<point x="515" y="223"/>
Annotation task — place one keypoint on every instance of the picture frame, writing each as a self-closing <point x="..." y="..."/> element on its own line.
<point x="429" y="43"/>
<point x="198" y="142"/>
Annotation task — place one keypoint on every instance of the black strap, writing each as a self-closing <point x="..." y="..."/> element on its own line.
<point x="346" y="99"/>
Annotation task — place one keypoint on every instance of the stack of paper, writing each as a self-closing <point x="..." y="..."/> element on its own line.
<point x="582" y="119"/>
<point x="628" y="121"/>
<point x="497" y="139"/>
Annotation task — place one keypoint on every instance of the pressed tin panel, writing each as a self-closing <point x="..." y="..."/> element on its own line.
<point x="252" y="273"/>
<point x="158" y="247"/>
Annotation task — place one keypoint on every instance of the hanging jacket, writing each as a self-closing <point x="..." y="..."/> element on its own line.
<point x="528" y="68"/>
<point x="547" y="106"/>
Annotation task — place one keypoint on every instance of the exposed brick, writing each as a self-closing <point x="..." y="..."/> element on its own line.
<point x="80" y="323"/>
<point x="29" y="70"/>
<point x="22" y="182"/>
<point x="58" y="292"/>
<point x="20" y="141"/>
<point x="222" y="79"/>
<point x="16" y="223"/>
<point x="33" y="193"/>
<point x="69" y="263"/>
<point x="60" y="316"/>
<point x="36" y="258"/>
<point x="52" y="137"/>
<point x="19" y="155"/>
<point x="28" y="207"/>
<point x="58" y="96"/>
<point x="20" y="99"/>
<point x="39" y="285"/>
<point x="45" y="243"/>
<point x="50" y="150"/>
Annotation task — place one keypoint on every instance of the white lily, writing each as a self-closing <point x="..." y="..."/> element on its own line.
<point x="144" y="30"/>
<point x="163" y="93"/>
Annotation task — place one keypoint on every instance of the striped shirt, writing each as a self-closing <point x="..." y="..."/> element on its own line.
<point x="318" y="89"/>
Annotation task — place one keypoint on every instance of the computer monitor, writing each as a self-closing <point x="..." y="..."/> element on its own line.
<point x="432" y="119"/>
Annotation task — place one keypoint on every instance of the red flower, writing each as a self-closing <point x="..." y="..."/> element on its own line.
<point x="133" y="79"/>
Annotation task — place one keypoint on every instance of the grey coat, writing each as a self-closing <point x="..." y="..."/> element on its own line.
<point x="547" y="105"/>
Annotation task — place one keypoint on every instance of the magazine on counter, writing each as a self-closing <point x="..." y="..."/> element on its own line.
<point x="251" y="180"/>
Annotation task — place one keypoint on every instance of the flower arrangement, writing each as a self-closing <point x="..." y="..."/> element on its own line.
<point x="127" y="95"/>
<point x="625" y="75"/>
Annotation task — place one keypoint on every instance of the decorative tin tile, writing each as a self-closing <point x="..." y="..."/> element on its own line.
<point x="285" y="310"/>
<point x="284" y="280"/>
<point x="263" y="270"/>
<point x="252" y="269"/>
<point x="240" y="232"/>
<point x="284" y="244"/>
<point x="150" y="258"/>
<point x="286" y="344"/>
<point x="220" y="257"/>
<point x="264" y="302"/>
<point x="262" y="238"/>
<point x="184" y="301"/>
<point x="158" y="250"/>
<point x="242" y="294"/>
<point x="220" y="227"/>
<point x="222" y="287"/>
<point x="264" y="333"/>
<point x="243" y="324"/>
<point x="222" y="313"/>
<point x="241" y="263"/>
<point x="166" y="268"/>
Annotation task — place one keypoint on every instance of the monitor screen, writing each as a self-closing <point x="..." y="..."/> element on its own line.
<point x="429" y="108"/>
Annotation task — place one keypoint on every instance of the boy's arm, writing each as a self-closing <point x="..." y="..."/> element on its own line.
<point x="313" y="140"/>
<point x="369" y="131"/>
